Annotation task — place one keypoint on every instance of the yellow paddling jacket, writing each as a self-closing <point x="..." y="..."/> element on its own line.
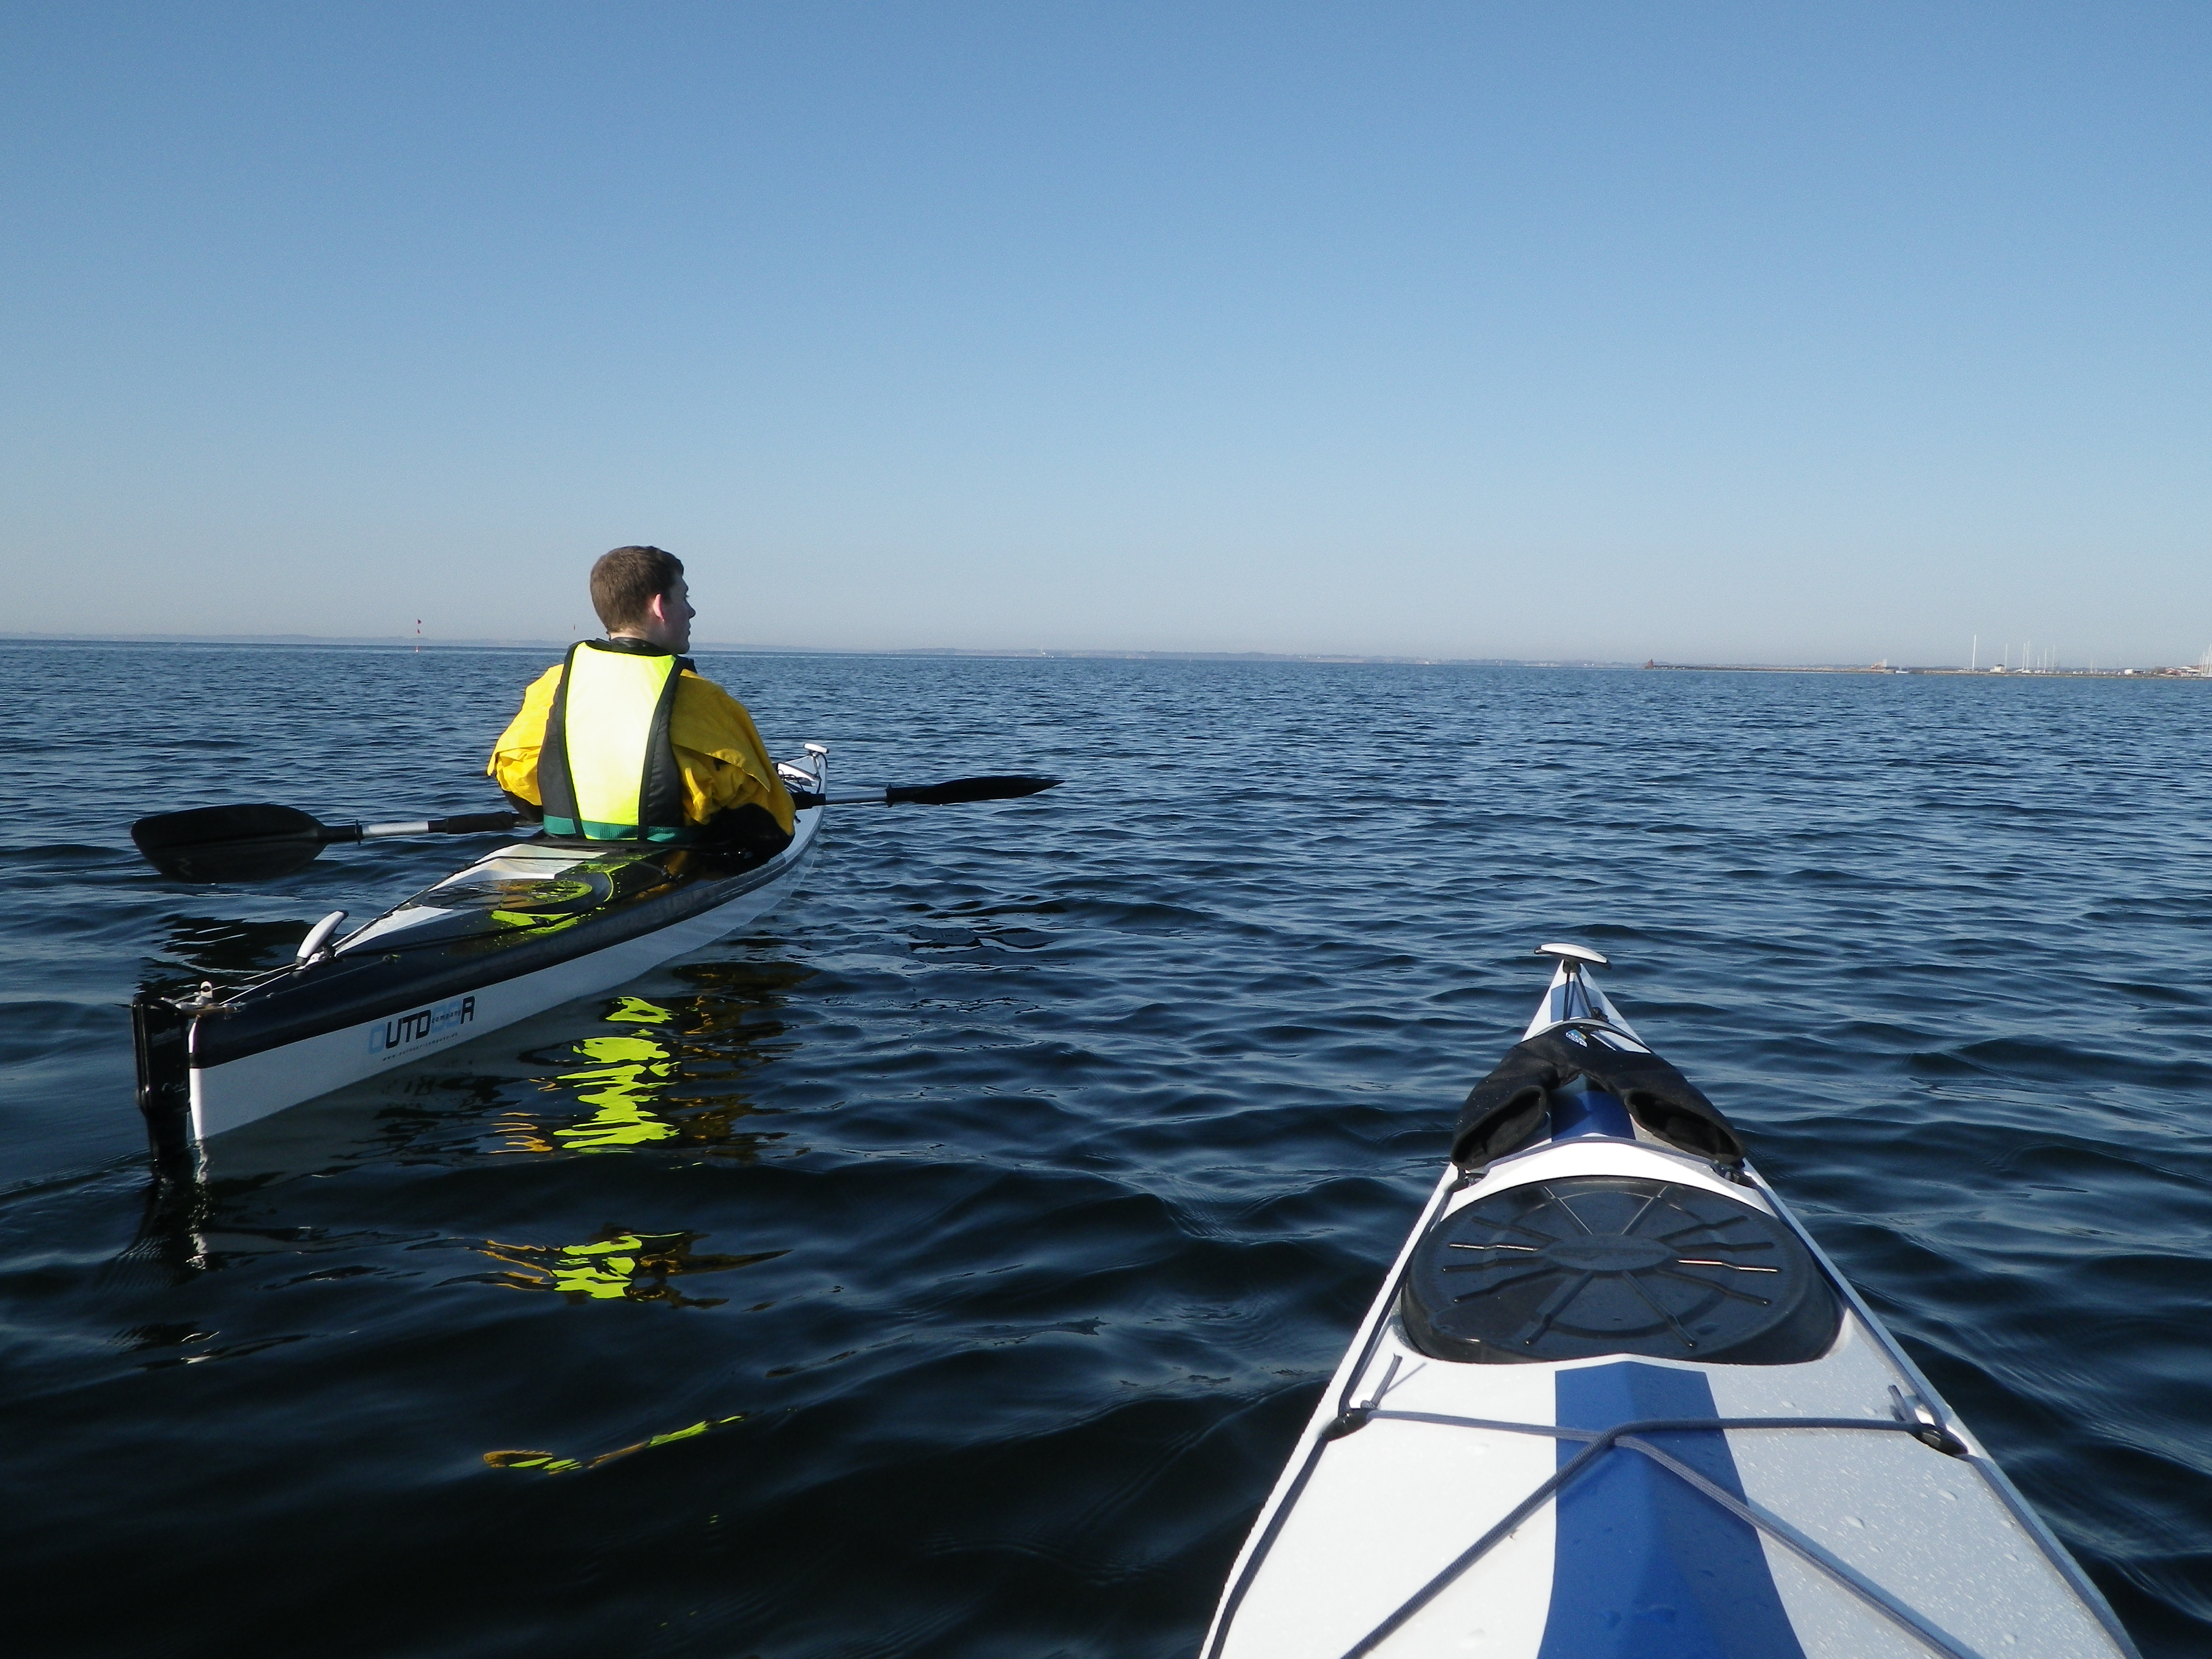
<point x="625" y="741"/>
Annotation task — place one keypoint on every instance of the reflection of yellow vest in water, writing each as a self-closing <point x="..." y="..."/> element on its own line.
<point x="607" y="768"/>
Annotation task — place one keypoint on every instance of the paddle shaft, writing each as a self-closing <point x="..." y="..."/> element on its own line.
<point x="956" y="792"/>
<point x="468" y="823"/>
<point x="255" y="843"/>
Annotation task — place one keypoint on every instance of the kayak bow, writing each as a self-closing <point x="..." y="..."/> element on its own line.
<point x="1614" y="1403"/>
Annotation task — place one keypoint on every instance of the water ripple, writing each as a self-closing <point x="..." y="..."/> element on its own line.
<point x="947" y="1266"/>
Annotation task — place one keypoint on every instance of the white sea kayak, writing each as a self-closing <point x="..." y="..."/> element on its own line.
<point x="1614" y="1403"/>
<point x="524" y="929"/>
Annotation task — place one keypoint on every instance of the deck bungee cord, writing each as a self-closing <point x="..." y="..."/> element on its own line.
<point x="1628" y="1437"/>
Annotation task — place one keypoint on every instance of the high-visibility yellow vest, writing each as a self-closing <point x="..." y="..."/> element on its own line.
<point x="607" y="768"/>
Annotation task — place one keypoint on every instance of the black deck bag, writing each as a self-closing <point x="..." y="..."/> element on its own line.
<point x="1505" y="1109"/>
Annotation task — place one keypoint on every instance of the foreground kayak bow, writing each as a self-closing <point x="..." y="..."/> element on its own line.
<point x="1614" y="1403"/>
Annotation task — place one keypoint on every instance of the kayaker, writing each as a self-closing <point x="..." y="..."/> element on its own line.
<point x="646" y="749"/>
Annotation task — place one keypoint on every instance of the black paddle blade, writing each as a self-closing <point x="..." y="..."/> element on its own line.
<point x="958" y="791"/>
<point x="229" y="843"/>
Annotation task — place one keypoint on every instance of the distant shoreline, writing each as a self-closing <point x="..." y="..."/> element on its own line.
<point x="2191" y="673"/>
<point x="739" y="647"/>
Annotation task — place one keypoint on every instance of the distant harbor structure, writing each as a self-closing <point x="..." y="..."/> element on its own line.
<point x="2048" y="669"/>
<point x="2031" y="661"/>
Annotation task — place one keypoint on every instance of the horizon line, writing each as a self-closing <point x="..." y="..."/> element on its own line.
<point x="406" y="641"/>
<point x="739" y="647"/>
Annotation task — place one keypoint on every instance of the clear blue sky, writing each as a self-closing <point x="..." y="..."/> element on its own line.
<point x="1742" y="332"/>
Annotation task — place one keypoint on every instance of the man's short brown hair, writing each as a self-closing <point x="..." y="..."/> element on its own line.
<point x="625" y="581"/>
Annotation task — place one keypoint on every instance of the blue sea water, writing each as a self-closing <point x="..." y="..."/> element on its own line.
<point x="1000" y="1204"/>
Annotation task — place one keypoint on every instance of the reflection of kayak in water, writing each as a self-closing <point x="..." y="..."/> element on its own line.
<point x="530" y="926"/>
<point x="618" y="1267"/>
<point x="545" y="1462"/>
<point x="1613" y="1402"/>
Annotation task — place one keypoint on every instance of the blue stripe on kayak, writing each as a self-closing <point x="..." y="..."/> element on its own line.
<point x="1589" y="1112"/>
<point x="1646" y="1567"/>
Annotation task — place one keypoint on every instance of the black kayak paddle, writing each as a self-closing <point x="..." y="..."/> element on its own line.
<point x="256" y="843"/>
<point x="956" y="792"/>
<point x="259" y="843"/>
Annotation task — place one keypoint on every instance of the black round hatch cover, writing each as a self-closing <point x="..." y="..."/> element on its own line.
<point x="1605" y="1264"/>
